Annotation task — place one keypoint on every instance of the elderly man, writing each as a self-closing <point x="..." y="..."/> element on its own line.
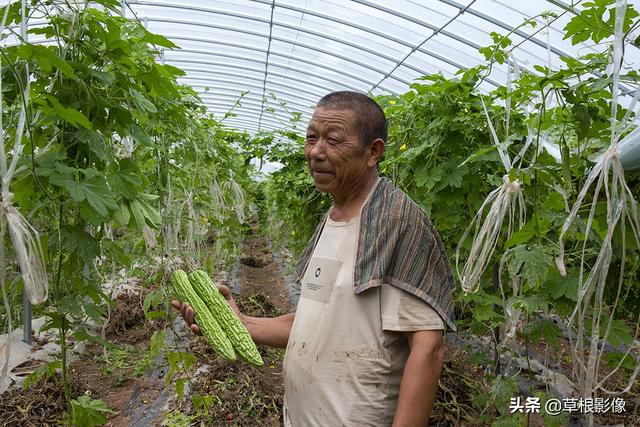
<point x="365" y="346"/>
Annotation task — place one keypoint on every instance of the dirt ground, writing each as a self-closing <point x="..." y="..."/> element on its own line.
<point x="141" y="390"/>
<point x="131" y="384"/>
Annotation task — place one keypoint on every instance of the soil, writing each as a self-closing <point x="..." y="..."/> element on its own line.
<point x="219" y="393"/>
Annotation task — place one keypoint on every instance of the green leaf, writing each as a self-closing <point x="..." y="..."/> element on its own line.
<point x="529" y="304"/>
<point x="484" y="313"/>
<point x="74" y="117"/>
<point x="122" y="215"/>
<point x="141" y="102"/>
<point x="157" y="342"/>
<point x="502" y="390"/>
<point x="159" y="40"/>
<point x="78" y="242"/>
<point x="180" y="387"/>
<point x="619" y="333"/>
<point x="105" y="77"/>
<point x="532" y="262"/>
<point x="546" y="329"/>
<point x="48" y="370"/>
<point x="558" y="286"/>
<point x="138" y="213"/>
<point x="479" y="154"/>
<point x="14" y="14"/>
<point x="126" y="180"/>
<point x="536" y="225"/>
<point x="154" y="299"/>
<point x="94" y="141"/>
<point x="47" y="55"/>
<point x="137" y="133"/>
<point x="99" y="195"/>
<point x="88" y="412"/>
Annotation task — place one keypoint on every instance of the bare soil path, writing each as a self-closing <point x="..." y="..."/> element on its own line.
<point x="239" y="394"/>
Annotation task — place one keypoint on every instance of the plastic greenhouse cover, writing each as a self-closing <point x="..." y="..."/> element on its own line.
<point x="295" y="52"/>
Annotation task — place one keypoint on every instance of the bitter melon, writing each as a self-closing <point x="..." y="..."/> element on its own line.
<point x="210" y="328"/>
<point x="226" y="317"/>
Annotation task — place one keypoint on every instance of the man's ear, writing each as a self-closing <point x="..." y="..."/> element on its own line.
<point x="376" y="150"/>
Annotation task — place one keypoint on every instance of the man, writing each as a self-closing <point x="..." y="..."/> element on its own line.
<point x="364" y="347"/>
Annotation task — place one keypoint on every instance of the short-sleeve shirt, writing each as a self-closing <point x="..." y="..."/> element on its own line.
<point x="346" y="353"/>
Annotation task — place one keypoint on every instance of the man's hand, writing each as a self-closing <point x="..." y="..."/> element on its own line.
<point x="271" y="331"/>
<point x="188" y="314"/>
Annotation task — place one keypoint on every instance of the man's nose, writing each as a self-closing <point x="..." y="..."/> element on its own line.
<point x="318" y="150"/>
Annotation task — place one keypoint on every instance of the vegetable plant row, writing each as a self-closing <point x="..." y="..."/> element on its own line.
<point x="452" y="147"/>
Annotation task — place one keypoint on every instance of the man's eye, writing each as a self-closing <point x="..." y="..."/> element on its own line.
<point x="333" y="141"/>
<point x="311" y="138"/>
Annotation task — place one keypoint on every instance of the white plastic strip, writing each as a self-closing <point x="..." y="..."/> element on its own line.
<point x="621" y="209"/>
<point x="25" y="238"/>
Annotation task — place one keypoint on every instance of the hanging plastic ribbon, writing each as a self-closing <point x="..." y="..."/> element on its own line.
<point x="621" y="210"/>
<point x="26" y="242"/>
<point x="507" y="199"/>
<point x="25" y="238"/>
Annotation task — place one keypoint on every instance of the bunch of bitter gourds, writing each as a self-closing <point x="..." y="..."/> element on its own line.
<point x="218" y="322"/>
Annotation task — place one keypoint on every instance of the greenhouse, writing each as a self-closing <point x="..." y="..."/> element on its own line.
<point x="301" y="213"/>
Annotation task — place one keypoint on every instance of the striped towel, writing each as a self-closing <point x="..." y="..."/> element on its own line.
<point x="397" y="245"/>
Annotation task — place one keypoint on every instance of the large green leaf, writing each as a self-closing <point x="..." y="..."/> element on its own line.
<point x="93" y="189"/>
<point x="141" y="102"/>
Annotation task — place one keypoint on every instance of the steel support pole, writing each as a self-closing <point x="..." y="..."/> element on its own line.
<point x="26" y="316"/>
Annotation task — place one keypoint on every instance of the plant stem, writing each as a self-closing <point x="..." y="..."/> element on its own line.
<point x="62" y="329"/>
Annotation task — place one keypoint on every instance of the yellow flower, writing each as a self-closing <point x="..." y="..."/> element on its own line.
<point x="403" y="147"/>
<point x="293" y="232"/>
<point x="392" y="102"/>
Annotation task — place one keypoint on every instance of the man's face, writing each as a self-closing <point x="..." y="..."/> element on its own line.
<point x="338" y="163"/>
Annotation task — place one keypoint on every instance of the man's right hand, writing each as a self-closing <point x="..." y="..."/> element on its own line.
<point x="271" y="331"/>
<point x="188" y="314"/>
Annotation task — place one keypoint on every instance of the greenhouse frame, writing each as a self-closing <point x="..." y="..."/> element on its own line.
<point x="154" y="150"/>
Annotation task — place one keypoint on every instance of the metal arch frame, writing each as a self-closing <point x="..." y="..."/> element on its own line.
<point x="227" y="55"/>
<point x="266" y="62"/>
<point x="239" y="30"/>
<point x="452" y="3"/>
<point x="332" y="19"/>
<point x="235" y="120"/>
<point x="228" y="100"/>
<point x="304" y="60"/>
<point x="244" y="105"/>
<point x="240" y="67"/>
<point x="272" y="124"/>
<point x="202" y="82"/>
<point x="291" y="101"/>
<point x="198" y="70"/>
<point x="267" y="121"/>
<point x="253" y="108"/>
<point x="431" y="27"/>
<point x="436" y="30"/>
<point x="314" y="33"/>
<point x="221" y="91"/>
<point x="505" y="26"/>
<point x="204" y="79"/>
<point x="307" y="61"/>
<point x="303" y="45"/>
<point x="418" y="47"/>
<point x="249" y="128"/>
